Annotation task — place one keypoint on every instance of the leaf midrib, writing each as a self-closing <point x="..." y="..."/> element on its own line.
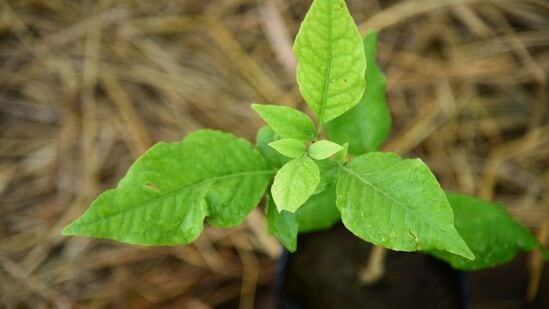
<point x="366" y="182"/>
<point x="328" y="70"/>
<point x="176" y="192"/>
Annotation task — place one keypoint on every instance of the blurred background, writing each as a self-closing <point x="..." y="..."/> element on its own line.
<point x="87" y="86"/>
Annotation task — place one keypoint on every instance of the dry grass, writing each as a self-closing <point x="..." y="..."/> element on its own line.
<point x="87" y="86"/>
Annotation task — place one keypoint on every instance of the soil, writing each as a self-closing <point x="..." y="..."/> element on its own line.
<point x="411" y="280"/>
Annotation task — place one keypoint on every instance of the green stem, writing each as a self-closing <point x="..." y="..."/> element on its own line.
<point x="319" y="130"/>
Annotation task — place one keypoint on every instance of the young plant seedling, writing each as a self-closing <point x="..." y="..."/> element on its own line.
<point x="306" y="171"/>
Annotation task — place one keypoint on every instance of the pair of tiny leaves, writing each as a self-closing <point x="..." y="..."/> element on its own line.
<point x="295" y="129"/>
<point x="293" y="148"/>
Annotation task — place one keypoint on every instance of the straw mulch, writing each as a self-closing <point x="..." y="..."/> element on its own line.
<point x="87" y="86"/>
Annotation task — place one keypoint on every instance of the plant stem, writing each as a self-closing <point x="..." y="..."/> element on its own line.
<point x="375" y="268"/>
<point x="319" y="130"/>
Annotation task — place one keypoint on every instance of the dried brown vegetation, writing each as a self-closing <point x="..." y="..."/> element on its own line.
<point x="87" y="86"/>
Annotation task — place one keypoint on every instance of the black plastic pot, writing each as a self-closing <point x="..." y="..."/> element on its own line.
<point x="323" y="274"/>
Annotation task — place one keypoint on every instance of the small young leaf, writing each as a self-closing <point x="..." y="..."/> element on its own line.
<point x="287" y="122"/>
<point x="283" y="225"/>
<point x="331" y="61"/>
<point x="289" y="147"/>
<point x="167" y="193"/>
<point x="319" y="212"/>
<point x="367" y="125"/>
<point x="323" y="149"/>
<point x="264" y="137"/>
<point x="397" y="204"/>
<point x="491" y="233"/>
<point x="294" y="183"/>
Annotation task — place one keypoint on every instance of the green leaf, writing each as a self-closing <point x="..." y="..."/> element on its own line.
<point x="167" y="193"/>
<point x="264" y="137"/>
<point x="397" y="204"/>
<point x="319" y="212"/>
<point x="294" y="183"/>
<point x="491" y="233"/>
<point x="331" y="61"/>
<point x="289" y="147"/>
<point x="287" y="122"/>
<point x="283" y="225"/>
<point x="341" y="156"/>
<point x="366" y="126"/>
<point x="328" y="174"/>
<point x="323" y="149"/>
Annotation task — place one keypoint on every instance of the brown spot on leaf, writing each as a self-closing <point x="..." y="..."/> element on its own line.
<point x="152" y="186"/>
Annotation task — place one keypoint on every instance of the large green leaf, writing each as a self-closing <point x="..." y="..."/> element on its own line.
<point x="287" y="122"/>
<point x="397" y="204"/>
<point x="283" y="225"/>
<point x="331" y="61"/>
<point x="294" y="183"/>
<point x="366" y="126"/>
<point x="168" y="192"/>
<point x="264" y="137"/>
<point x="491" y="233"/>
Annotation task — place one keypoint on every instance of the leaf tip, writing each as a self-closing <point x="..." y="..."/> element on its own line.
<point x="72" y="229"/>
<point x="68" y="231"/>
<point x="466" y="253"/>
<point x="470" y="256"/>
<point x="284" y="207"/>
<point x="292" y="248"/>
